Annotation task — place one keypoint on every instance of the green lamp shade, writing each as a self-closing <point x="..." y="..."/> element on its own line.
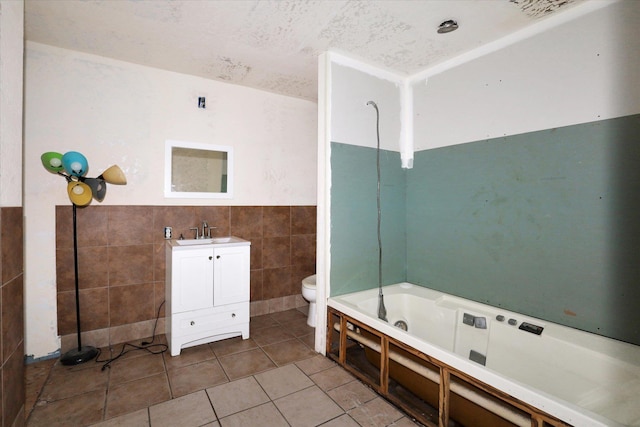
<point x="52" y="161"/>
<point x="75" y="163"/>
<point x="79" y="193"/>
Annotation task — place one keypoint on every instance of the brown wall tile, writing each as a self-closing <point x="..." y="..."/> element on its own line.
<point x="303" y="249"/>
<point x="130" y="304"/>
<point x="159" y="261"/>
<point x="11" y="238"/>
<point x="216" y="216"/>
<point x="276" y="282"/>
<point x="91" y="226"/>
<point x="130" y="264"/>
<point x="179" y="218"/>
<point x="159" y="297"/>
<point x="246" y="221"/>
<point x="14" y="388"/>
<point x="256" y="285"/>
<point x="124" y="247"/>
<point x="303" y="219"/>
<point x="256" y="253"/>
<point x="12" y="304"/>
<point x="94" y="310"/>
<point x="93" y="268"/>
<point x="276" y="252"/>
<point x="130" y="225"/>
<point x="276" y="221"/>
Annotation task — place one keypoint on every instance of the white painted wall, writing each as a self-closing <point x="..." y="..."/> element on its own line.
<point x="352" y="120"/>
<point x="11" y="54"/>
<point x="584" y="70"/>
<point x="121" y="113"/>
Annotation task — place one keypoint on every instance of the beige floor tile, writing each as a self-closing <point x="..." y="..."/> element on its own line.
<point x="232" y="345"/>
<point x="309" y="340"/>
<point x="35" y="374"/>
<point x="192" y="410"/>
<point x="236" y="396"/>
<point x="123" y="371"/>
<point x="63" y="383"/>
<point x="288" y="316"/>
<point x="308" y="407"/>
<point x="130" y="349"/>
<point x="315" y="364"/>
<point x="375" y="413"/>
<point x="264" y="416"/>
<point x="137" y="394"/>
<point x="299" y="329"/>
<point x="246" y="363"/>
<point x="189" y="356"/>
<point x="283" y="381"/>
<point x="80" y="410"/>
<point x="287" y="352"/>
<point x="134" y="419"/>
<point x="271" y="335"/>
<point x="259" y="322"/>
<point x="351" y="395"/>
<point x="332" y="378"/>
<point x="341" y="421"/>
<point x="192" y="378"/>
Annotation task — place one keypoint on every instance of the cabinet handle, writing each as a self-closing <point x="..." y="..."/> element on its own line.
<point x="233" y="315"/>
<point x="192" y="323"/>
<point x="210" y="257"/>
<point x="218" y="257"/>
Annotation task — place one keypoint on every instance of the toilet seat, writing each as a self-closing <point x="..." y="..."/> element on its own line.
<point x="309" y="293"/>
<point x="309" y="282"/>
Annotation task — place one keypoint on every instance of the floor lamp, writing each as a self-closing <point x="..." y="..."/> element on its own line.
<point x="73" y="167"/>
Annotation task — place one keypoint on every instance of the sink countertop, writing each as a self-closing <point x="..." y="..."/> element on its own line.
<point x="227" y="241"/>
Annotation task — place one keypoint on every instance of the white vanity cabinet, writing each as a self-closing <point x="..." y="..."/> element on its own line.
<point x="207" y="291"/>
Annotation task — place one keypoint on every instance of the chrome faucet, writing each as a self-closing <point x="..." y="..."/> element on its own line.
<point x="204" y="227"/>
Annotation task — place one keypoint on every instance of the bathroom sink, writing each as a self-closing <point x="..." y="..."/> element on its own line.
<point x="213" y="240"/>
<point x="222" y="239"/>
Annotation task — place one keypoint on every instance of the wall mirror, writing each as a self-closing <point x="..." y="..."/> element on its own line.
<point x="196" y="170"/>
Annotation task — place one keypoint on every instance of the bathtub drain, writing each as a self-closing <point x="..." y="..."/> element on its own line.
<point x="401" y="324"/>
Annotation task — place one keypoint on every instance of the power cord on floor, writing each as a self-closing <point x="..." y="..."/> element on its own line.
<point x="148" y="346"/>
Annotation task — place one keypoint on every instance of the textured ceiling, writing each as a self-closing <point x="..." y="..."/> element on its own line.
<point x="274" y="45"/>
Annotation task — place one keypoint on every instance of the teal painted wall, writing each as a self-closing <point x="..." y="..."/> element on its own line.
<point x="545" y="223"/>
<point x="354" y="238"/>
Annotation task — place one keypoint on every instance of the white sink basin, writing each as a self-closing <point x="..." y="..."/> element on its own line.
<point x="190" y="242"/>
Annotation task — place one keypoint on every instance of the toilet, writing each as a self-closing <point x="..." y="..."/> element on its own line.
<point x="309" y="293"/>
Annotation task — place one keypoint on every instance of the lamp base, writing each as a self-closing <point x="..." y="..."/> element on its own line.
<point x="80" y="355"/>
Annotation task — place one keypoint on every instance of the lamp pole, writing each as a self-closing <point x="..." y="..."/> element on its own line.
<point x="81" y="354"/>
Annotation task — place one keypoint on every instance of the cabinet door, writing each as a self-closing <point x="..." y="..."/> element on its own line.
<point x="230" y="275"/>
<point x="192" y="280"/>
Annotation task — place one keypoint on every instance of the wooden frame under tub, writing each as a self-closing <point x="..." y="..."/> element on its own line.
<point x="431" y="391"/>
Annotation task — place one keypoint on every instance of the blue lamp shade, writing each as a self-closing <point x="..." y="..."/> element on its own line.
<point x="75" y="163"/>
<point x="52" y="161"/>
<point x="79" y="193"/>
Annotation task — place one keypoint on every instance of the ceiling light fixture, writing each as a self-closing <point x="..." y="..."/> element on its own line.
<point x="447" y="26"/>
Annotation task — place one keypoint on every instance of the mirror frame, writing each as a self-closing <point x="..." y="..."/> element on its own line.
<point x="168" y="163"/>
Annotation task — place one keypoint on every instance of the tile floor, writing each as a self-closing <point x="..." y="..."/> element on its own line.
<point x="274" y="378"/>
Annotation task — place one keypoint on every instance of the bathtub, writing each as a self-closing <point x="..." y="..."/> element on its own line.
<point x="581" y="378"/>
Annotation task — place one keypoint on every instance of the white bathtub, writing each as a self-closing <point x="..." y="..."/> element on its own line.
<point x="578" y="377"/>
